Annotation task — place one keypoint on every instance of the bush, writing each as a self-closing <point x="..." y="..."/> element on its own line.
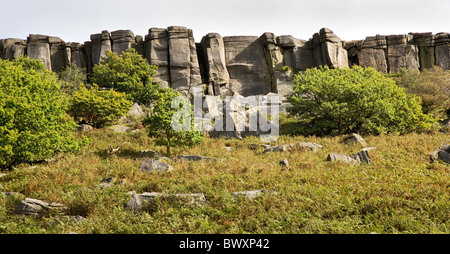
<point x="339" y="101"/>
<point x="72" y="78"/>
<point x="171" y="108"/>
<point x="98" y="108"/>
<point x="432" y="85"/>
<point x="34" y="124"/>
<point x="129" y="73"/>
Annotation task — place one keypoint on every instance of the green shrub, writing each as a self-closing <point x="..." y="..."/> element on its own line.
<point x="72" y="78"/>
<point x="129" y="73"/>
<point x="34" y="124"/>
<point x="432" y="85"/>
<point x="338" y="101"/>
<point x="98" y="108"/>
<point x="171" y="105"/>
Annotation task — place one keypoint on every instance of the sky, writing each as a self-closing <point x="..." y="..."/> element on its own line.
<point x="75" y="21"/>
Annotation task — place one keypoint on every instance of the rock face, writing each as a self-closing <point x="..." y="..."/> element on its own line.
<point x="237" y="65"/>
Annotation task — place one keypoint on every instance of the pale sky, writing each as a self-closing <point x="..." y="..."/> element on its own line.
<point x="75" y="21"/>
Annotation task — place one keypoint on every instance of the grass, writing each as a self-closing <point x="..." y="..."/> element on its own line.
<point x="400" y="192"/>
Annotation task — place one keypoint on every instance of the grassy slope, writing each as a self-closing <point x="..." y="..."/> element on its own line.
<point x="399" y="192"/>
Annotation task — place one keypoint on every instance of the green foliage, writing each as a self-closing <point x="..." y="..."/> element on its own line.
<point x="432" y="85"/>
<point x="129" y="73"/>
<point x="338" y="101"/>
<point x="72" y="78"/>
<point x="34" y="124"/>
<point x="98" y="108"/>
<point x="170" y="108"/>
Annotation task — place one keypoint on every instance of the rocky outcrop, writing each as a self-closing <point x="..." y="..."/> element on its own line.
<point x="237" y="65"/>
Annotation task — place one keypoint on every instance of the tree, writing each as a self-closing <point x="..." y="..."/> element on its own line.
<point x="72" y="78"/>
<point x="98" y="108"/>
<point x="339" y="101"/>
<point x="172" y="122"/>
<point x="34" y="124"/>
<point x="433" y="87"/>
<point x="129" y="73"/>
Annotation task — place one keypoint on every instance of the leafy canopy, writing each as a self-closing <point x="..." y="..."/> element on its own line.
<point x="357" y="99"/>
<point x="98" y="108"/>
<point x="34" y="124"/>
<point x="172" y="121"/>
<point x="128" y="72"/>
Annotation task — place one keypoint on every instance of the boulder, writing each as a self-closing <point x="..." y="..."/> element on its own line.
<point x="195" y="158"/>
<point x="35" y="207"/>
<point x="139" y="201"/>
<point x="136" y="111"/>
<point x="343" y="158"/>
<point x="442" y="153"/>
<point x="151" y="165"/>
<point x="85" y="127"/>
<point x="284" y="162"/>
<point x="253" y="193"/>
<point x="287" y="147"/>
<point x="354" y="139"/>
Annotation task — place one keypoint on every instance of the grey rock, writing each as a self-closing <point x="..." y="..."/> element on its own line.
<point x="35" y="207"/>
<point x="136" y="111"/>
<point x="253" y="193"/>
<point x="353" y="139"/>
<point x="442" y="153"/>
<point x="284" y="162"/>
<point x="362" y="157"/>
<point x="287" y="147"/>
<point x="38" y="48"/>
<point x="195" y="158"/>
<point x="119" y="128"/>
<point x="151" y="165"/>
<point x="245" y="60"/>
<point x="343" y="158"/>
<point x="215" y="67"/>
<point x="100" y="44"/>
<point x="85" y="127"/>
<point x="138" y="201"/>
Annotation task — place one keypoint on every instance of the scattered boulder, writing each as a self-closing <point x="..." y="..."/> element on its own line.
<point x="152" y="154"/>
<point x="138" y="201"/>
<point x="119" y="128"/>
<point x="151" y="165"/>
<point x="107" y="182"/>
<point x="253" y="193"/>
<point x="35" y="207"/>
<point x="84" y="127"/>
<point x="229" y="149"/>
<point x="195" y="158"/>
<point x="342" y="157"/>
<point x="136" y="111"/>
<point x="10" y="194"/>
<point x="442" y="153"/>
<point x="302" y="145"/>
<point x="354" y="139"/>
<point x="284" y="162"/>
<point x="354" y="159"/>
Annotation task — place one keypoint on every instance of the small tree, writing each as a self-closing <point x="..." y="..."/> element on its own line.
<point x="72" y="78"/>
<point x="98" y="108"/>
<point x="172" y="122"/>
<point x="34" y="124"/>
<point x="129" y="73"/>
<point x="433" y="87"/>
<point x="338" y="101"/>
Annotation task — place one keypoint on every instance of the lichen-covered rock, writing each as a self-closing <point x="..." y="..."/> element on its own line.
<point x="152" y="165"/>
<point x="442" y="153"/>
<point x="139" y="201"/>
